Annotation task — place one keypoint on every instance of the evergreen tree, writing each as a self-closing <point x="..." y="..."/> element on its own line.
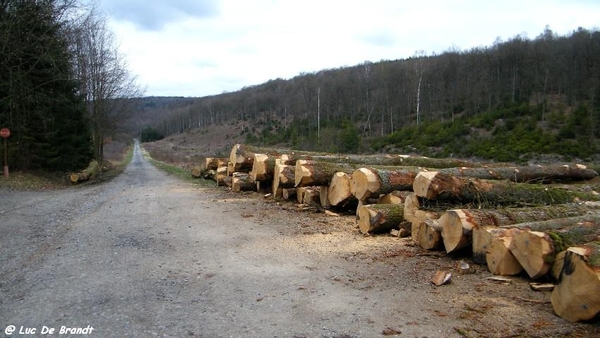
<point x="38" y="93"/>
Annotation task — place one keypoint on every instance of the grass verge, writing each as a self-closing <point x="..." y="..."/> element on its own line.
<point x="35" y="181"/>
<point x="172" y="169"/>
<point x="41" y="180"/>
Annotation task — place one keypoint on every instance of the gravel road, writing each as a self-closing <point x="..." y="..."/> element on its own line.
<point x="149" y="255"/>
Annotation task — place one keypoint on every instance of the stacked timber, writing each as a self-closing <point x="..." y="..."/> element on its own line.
<point x="208" y="169"/>
<point x="515" y="220"/>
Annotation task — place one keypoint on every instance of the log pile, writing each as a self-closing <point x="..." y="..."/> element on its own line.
<point x="515" y="220"/>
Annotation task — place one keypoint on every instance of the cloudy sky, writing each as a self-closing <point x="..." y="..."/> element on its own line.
<point x="206" y="47"/>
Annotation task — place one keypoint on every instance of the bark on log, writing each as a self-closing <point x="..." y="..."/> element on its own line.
<point x="458" y="224"/>
<point x="429" y="235"/>
<point x="92" y="169"/>
<point x="317" y="173"/>
<point x="437" y="185"/>
<point x="242" y="182"/>
<point x="537" y="173"/>
<point x="379" y="217"/>
<point x="392" y="160"/>
<point x="536" y="248"/>
<point x="576" y="296"/>
<point x="371" y="182"/>
<point x="499" y="258"/>
<point x="339" y="193"/>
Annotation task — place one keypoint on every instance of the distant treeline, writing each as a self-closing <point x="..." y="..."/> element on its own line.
<point x="550" y="78"/>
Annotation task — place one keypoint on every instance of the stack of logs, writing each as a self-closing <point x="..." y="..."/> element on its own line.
<point x="511" y="218"/>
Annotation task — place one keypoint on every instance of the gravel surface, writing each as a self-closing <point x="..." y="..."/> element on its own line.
<point x="148" y="255"/>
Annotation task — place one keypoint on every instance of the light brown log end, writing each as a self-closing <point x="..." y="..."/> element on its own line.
<point x="534" y="251"/>
<point x="456" y="229"/>
<point x="364" y="183"/>
<point x="500" y="260"/>
<point x="576" y="296"/>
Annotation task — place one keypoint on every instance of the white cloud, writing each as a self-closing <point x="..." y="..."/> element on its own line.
<point x="206" y="49"/>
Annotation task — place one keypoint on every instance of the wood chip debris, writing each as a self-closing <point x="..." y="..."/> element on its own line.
<point x="441" y="277"/>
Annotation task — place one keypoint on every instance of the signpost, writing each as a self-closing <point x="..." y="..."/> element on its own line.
<point x="5" y="134"/>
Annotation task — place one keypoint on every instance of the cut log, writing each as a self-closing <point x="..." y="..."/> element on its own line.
<point x="92" y="170"/>
<point x="411" y="205"/>
<point x="457" y="224"/>
<point x="394" y="197"/>
<point x="576" y="296"/>
<point x="317" y="173"/>
<point x="288" y="193"/>
<point x="323" y="196"/>
<point x="197" y="171"/>
<point x="437" y="185"/>
<point x="500" y="260"/>
<point x="263" y="166"/>
<point x="379" y="217"/>
<point x="536" y="248"/>
<point x="482" y="237"/>
<point x="230" y="169"/>
<point x="212" y="163"/>
<point x="283" y="176"/>
<point x="527" y="174"/>
<point x="227" y="181"/>
<point x="429" y="235"/>
<point x="221" y="173"/>
<point x="311" y="196"/>
<point x="300" y="194"/>
<point x="241" y="157"/>
<point x="371" y="182"/>
<point x="414" y="215"/>
<point x="339" y="193"/>
<point x="242" y="182"/>
<point x="391" y="160"/>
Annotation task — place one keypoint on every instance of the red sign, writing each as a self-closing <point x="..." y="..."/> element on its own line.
<point x="4" y="132"/>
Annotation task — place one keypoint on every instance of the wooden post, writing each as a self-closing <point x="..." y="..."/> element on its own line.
<point x="5" y="134"/>
<point x="5" y="157"/>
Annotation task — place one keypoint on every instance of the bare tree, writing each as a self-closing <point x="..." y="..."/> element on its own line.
<point x="419" y="69"/>
<point x="104" y="79"/>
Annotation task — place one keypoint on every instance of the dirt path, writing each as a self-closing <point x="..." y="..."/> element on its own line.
<point x="148" y="255"/>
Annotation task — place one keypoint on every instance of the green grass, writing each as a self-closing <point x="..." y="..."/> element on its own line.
<point x="181" y="173"/>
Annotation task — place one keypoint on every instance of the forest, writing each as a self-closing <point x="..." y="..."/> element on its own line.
<point x="63" y="85"/>
<point x="509" y="101"/>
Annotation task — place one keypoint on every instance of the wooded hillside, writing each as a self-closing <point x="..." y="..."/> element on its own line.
<point x="537" y="95"/>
